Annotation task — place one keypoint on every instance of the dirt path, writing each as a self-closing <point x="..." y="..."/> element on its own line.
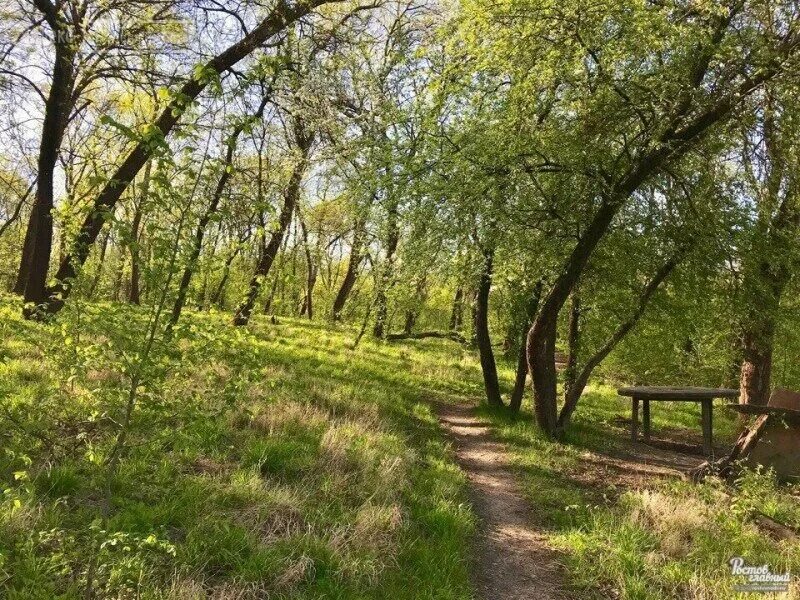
<point x="513" y="560"/>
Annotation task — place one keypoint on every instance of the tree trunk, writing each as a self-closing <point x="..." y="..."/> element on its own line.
<point x="573" y="342"/>
<point x="277" y="278"/>
<point x="134" y="294"/>
<point x="484" y="341"/>
<point x="574" y="391"/>
<point x="35" y="263"/>
<point x="282" y="15"/>
<point x="756" y="371"/>
<point x="100" y="261"/>
<point x="291" y="196"/>
<point x="419" y="299"/>
<point x="457" y="313"/>
<point x="522" y="363"/>
<point x="541" y="343"/>
<point x="770" y="265"/>
<point x="311" y="273"/>
<point x="387" y="273"/>
<point x="353" y="264"/>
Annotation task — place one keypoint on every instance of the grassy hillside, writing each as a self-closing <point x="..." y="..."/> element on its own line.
<point x="270" y="461"/>
<point x="276" y="461"/>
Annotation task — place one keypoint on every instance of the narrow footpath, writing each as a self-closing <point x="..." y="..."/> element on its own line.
<point x="513" y="560"/>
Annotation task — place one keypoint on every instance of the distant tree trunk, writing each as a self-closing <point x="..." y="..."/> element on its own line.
<point x="101" y="260"/>
<point x="217" y="297"/>
<point x="134" y="294"/>
<point x="522" y="362"/>
<point x="573" y="342"/>
<point x="311" y="273"/>
<point x="119" y="277"/>
<point x="457" y="313"/>
<point x="277" y="278"/>
<point x="484" y="341"/>
<point x="197" y="243"/>
<point x="419" y="299"/>
<point x="387" y="272"/>
<point x="353" y="264"/>
<point x="291" y="196"/>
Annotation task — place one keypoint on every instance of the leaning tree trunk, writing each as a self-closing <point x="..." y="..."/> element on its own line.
<point x="517" y="394"/>
<point x="483" y="339"/>
<point x="353" y="264"/>
<point x="291" y="196"/>
<point x="573" y="342"/>
<point x="278" y="19"/>
<point x="311" y="273"/>
<point x="581" y="378"/>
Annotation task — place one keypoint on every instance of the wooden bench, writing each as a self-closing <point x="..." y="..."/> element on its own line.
<point x="703" y="396"/>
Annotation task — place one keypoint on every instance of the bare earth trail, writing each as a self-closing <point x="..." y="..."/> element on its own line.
<point x="513" y="560"/>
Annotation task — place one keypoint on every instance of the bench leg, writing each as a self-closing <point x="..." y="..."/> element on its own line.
<point x="646" y="420"/>
<point x="707" y="407"/>
<point x="634" y="418"/>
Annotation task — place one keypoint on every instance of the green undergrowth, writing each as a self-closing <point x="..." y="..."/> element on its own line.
<point x="648" y="538"/>
<point x="266" y="462"/>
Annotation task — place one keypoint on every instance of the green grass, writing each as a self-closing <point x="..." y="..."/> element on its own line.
<point x="273" y="461"/>
<point x="278" y="462"/>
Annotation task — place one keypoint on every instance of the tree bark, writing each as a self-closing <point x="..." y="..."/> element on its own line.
<point x="518" y="393"/>
<point x="278" y="19"/>
<point x="387" y="272"/>
<point x="134" y="294"/>
<point x="488" y="365"/>
<point x="353" y="265"/>
<point x="457" y="313"/>
<point x="291" y="196"/>
<point x="35" y="262"/>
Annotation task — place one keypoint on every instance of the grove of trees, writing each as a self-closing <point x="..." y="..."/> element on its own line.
<point x="612" y="185"/>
